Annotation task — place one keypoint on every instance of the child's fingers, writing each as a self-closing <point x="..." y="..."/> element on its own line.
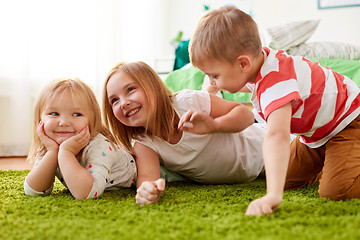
<point x="40" y="129"/>
<point x="147" y="187"/>
<point x="160" y="184"/>
<point x="185" y="118"/>
<point x="146" y="196"/>
<point x="78" y="141"/>
<point x="266" y="209"/>
<point x="261" y="210"/>
<point x="83" y="136"/>
<point x="86" y="133"/>
<point x="41" y="132"/>
<point x="187" y="126"/>
<point x="201" y="117"/>
<point x="259" y="207"/>
<point x="251" y="210"/>
<point x="148" y="192"/>
<point x="45" y="139"/>
<point x="194" y="116"/>
<point x="141" y="201"/>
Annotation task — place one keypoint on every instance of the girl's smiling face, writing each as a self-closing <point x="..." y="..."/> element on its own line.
<point x="128" y="101"/>
<point x="63" y="117"/>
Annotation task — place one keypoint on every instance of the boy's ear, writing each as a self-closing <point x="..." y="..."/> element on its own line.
<point x="244" y="62"/>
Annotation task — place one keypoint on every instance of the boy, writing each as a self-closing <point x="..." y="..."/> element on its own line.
<point x="293" y="95"/>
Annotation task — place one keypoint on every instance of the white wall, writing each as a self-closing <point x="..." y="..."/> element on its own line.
<point x="183" y="15"/>
<point x="337" y="24"/>
<point x="176" y="15"/>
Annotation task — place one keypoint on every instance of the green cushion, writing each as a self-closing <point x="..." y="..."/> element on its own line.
<point x="185" y="78"/>
<point x="349" y="68"/>
<point x="181" y="55"/>
<point x="192" y="78"/>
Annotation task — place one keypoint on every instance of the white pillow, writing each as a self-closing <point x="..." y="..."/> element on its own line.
<point x="290" y="34"/>
<point x="326" y="50"/>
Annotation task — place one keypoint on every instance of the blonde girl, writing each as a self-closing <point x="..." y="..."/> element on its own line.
<point x="71" y="143"/>
<point x="193" y="133"/>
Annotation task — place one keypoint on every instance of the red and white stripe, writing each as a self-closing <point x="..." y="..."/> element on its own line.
<point x="323" y="101"/>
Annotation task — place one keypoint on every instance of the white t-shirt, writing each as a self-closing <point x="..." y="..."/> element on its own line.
<point x="210" y="158"/>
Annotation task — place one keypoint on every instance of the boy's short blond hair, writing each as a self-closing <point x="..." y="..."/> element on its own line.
<point x="224" y="34"/>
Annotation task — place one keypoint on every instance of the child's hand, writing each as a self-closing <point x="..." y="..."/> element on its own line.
<point x="212" y="89"/>
<point x="149" y="192"/>
<point x="77" y="142"/>
<point x="197" y="122"/>
<point x="49" y="143"/>
<point x="264" y="205"/>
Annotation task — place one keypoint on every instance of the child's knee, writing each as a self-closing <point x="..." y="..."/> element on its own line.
<point x="339" y="191"/>
<point x="331" y="194"/>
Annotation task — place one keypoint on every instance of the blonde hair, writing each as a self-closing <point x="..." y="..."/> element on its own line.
<point x="224" y="34"/>
<point x="80" y="92"/>
<point x="157" y="94"/>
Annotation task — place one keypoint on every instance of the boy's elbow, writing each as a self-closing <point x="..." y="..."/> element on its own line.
<point x="278" y="137"/>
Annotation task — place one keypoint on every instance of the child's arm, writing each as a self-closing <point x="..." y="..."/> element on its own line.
<point x="42" y="176"/>
<point x="225" y="116"/>
<point x="78" y="179"/>
<point x="150" y="185"/>
<point x="276" y="150"/>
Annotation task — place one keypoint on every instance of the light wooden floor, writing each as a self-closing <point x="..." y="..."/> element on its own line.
<point x="14" y="163"/>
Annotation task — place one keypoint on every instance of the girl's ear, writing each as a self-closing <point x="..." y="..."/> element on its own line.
<point x="244" y="63"/>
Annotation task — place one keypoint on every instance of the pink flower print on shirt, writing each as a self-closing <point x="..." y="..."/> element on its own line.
<point x="95" y="194"/>
<point x="90" y="166"/>
<point x="110" y="148"/>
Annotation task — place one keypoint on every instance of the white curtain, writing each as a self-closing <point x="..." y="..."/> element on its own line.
<point x="42" y="40"/>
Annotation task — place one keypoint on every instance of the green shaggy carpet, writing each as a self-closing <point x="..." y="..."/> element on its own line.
<point x="185" y="211"/>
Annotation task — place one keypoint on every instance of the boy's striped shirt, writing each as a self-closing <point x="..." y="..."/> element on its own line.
<point x="323" y="101"/>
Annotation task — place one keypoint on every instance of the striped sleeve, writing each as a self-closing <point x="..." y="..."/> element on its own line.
<point x="278" y="84"/>
<point x="323" y="101"/>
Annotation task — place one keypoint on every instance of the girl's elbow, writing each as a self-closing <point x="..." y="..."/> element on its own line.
<point x="80" y="196"/>
<point x="29" y="193"/>
<point x="250" y="121"/>
<point x="86" y="193"/>
<point x="249" y="117"/>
